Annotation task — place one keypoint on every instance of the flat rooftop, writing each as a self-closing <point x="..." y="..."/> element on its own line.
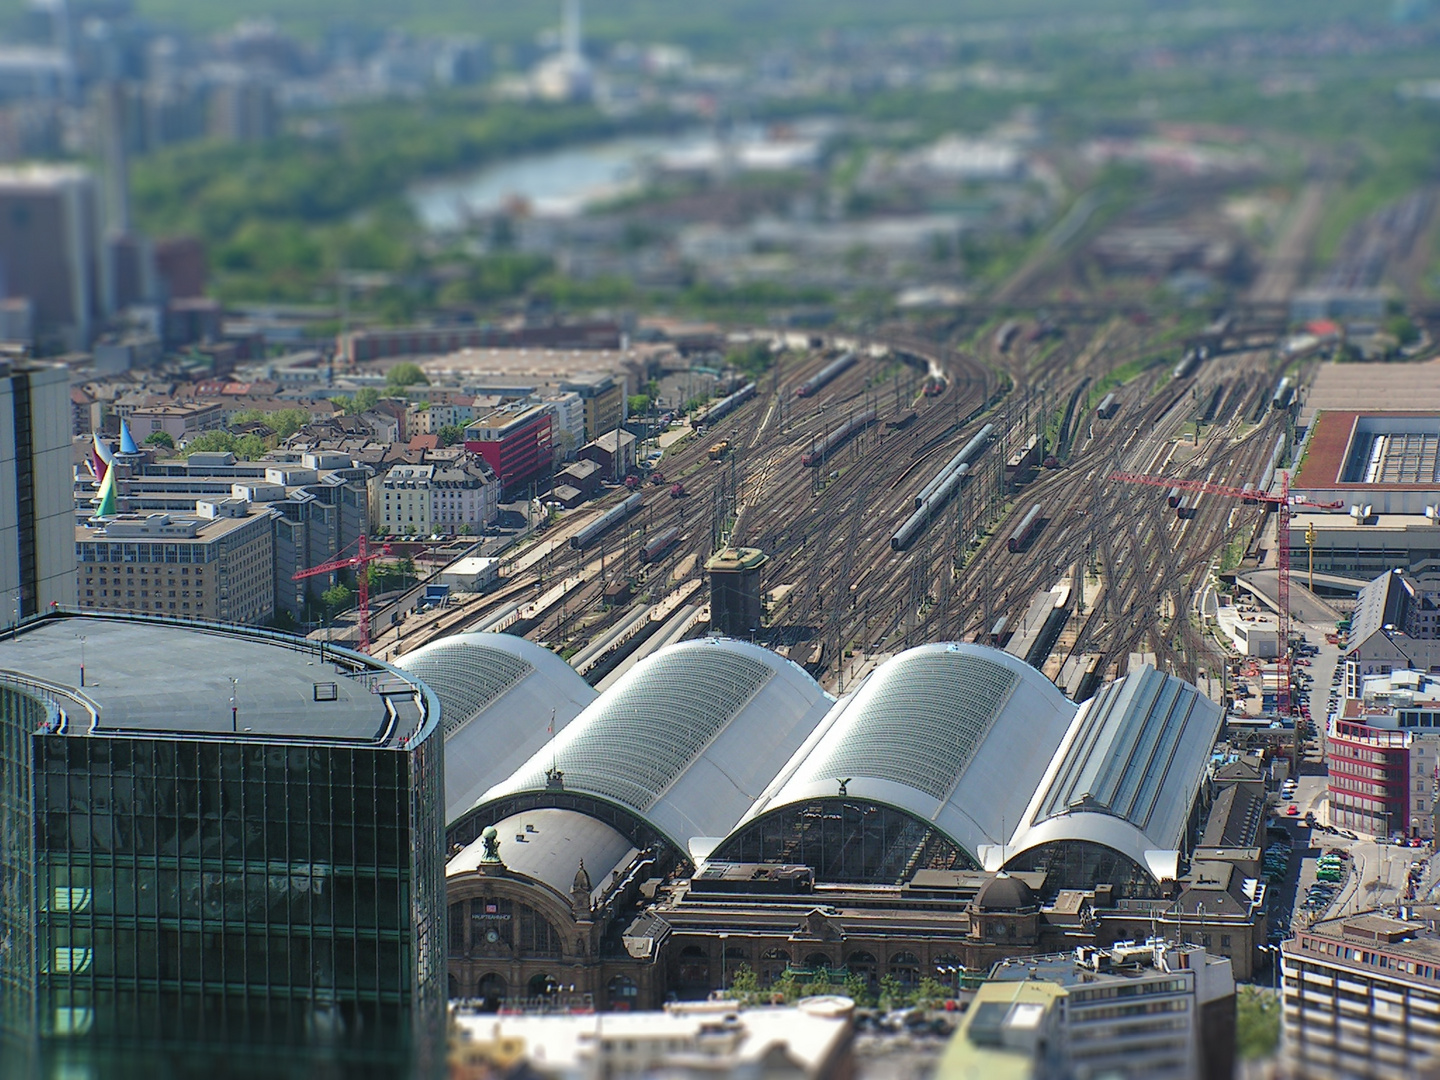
<point x="1374" y="387"/>
<point x="1396" y="937"/>
<point x="1384" y="450"/>
<point x="147" y="676"/>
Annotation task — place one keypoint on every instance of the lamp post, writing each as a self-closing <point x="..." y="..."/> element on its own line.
<point x="82" y="660"/>
<point x="234" y="704"/>
<point x="723" y="938"/>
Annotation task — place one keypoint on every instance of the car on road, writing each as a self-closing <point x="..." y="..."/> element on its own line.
<point x="1292" y="810"/>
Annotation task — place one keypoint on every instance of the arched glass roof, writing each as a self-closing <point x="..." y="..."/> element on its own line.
<point x="1128" y="772"/>
<point x="686" y="740"/>
<point x="956" y="735"/>
<point x="497" y="693"/>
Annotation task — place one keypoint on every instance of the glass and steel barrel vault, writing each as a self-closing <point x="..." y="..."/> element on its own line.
<point x="239" y="872"/>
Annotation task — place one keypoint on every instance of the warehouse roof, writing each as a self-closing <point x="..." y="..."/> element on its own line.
<point x="685" y="741"/>
<point x="1128" y="772"/>
<point x="498" y="693"/>
<point x="958" y="735"/>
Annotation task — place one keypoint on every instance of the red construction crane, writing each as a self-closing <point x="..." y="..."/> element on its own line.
<point x="1282" y="503"/>
<point x="358" y="562"/>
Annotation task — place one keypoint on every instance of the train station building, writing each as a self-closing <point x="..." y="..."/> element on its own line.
<point x="716" y="807"/>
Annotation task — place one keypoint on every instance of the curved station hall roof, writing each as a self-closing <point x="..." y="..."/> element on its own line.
<point x="1128" y="772"/>
<point x="956" y="735"/>
<point x="550" y="845"/>
<point x="685" y="741"/>
<point x="497" y="693"/>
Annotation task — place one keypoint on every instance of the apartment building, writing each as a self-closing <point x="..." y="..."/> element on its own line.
<point x="216" y="564"/>
<point x="181" y="422"/>
<point x="515" y="442"/>
<point x="417" y="499"/>
<point x="1362" y="998"/>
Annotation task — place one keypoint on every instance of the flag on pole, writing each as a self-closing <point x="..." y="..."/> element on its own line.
<point x="100" y="458"/>
<point x="105" y="505"/>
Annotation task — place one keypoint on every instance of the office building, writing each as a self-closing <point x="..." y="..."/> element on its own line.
<point x="321" y="504"/>
<point x="1362" y="998"/>
<point x="1157" y="1010"/>
<point x="515" y="443"/>
<point x="1383" y="750"/>
<point x="221" y="855"/>
<point x="604" y="401"/>
<point x="216" y="564"/>
<point x="37" y="556"/>
<point x="49" y="253"/>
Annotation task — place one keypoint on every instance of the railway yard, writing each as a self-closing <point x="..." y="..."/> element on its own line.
<point x="822" y="466"/>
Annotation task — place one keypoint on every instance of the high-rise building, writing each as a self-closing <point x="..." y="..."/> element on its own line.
<point x="1383" y="750"/>
<point x="37" y="553"/>
<point x="49" y="248"/>
<point x="221" y="852"/>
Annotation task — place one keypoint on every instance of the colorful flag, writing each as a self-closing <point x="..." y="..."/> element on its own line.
<point x="105" y="505"/>
<point x="127" y="441"/>
<point x="100" y="458"/>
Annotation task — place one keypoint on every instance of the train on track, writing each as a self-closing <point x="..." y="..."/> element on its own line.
<point x="719" y="449"/>
<point x="1025" y="530"/>
<point x="1108" y="407"/>
<point x="826" y="374"/>
<point x="726" y="405"/>
<point x="660" y="543"/>
<point x="606" y="521"/>
<point x="821" y="450"/>
<point x="1283" y="393"/>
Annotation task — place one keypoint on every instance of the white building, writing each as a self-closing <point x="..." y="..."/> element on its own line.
<point x="810" y="1039"/>
<point x="464" y="495"/>
<point x="37" y="519"/>
<point x="567" y="412"/>
<point x="1362" y="998"/>
<point x="404" y="506"/>
<point x="1155" y="1010"/>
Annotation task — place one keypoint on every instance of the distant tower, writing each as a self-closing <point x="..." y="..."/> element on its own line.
<point x="571" y="41"/>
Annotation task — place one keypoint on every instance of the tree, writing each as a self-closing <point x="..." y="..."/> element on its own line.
<point x="857" y="989"/>
<point x="450" y="434"/>
<point x="744" y="985"/>
<point x="363" y="400"/>
<point x="753" y="358"/>
<point x="638" y="404"/>
<point x="406" y="374"/>
<point x="465" y="529"/>
<point x="928" y="993"/>
<point x="287" y="422"/>
<point x="892" y="994"/>
<point x="336" y="598"/>
<point x="160" y="438"/>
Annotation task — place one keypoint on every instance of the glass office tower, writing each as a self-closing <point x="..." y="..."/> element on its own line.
<point x="229" y="856"/>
